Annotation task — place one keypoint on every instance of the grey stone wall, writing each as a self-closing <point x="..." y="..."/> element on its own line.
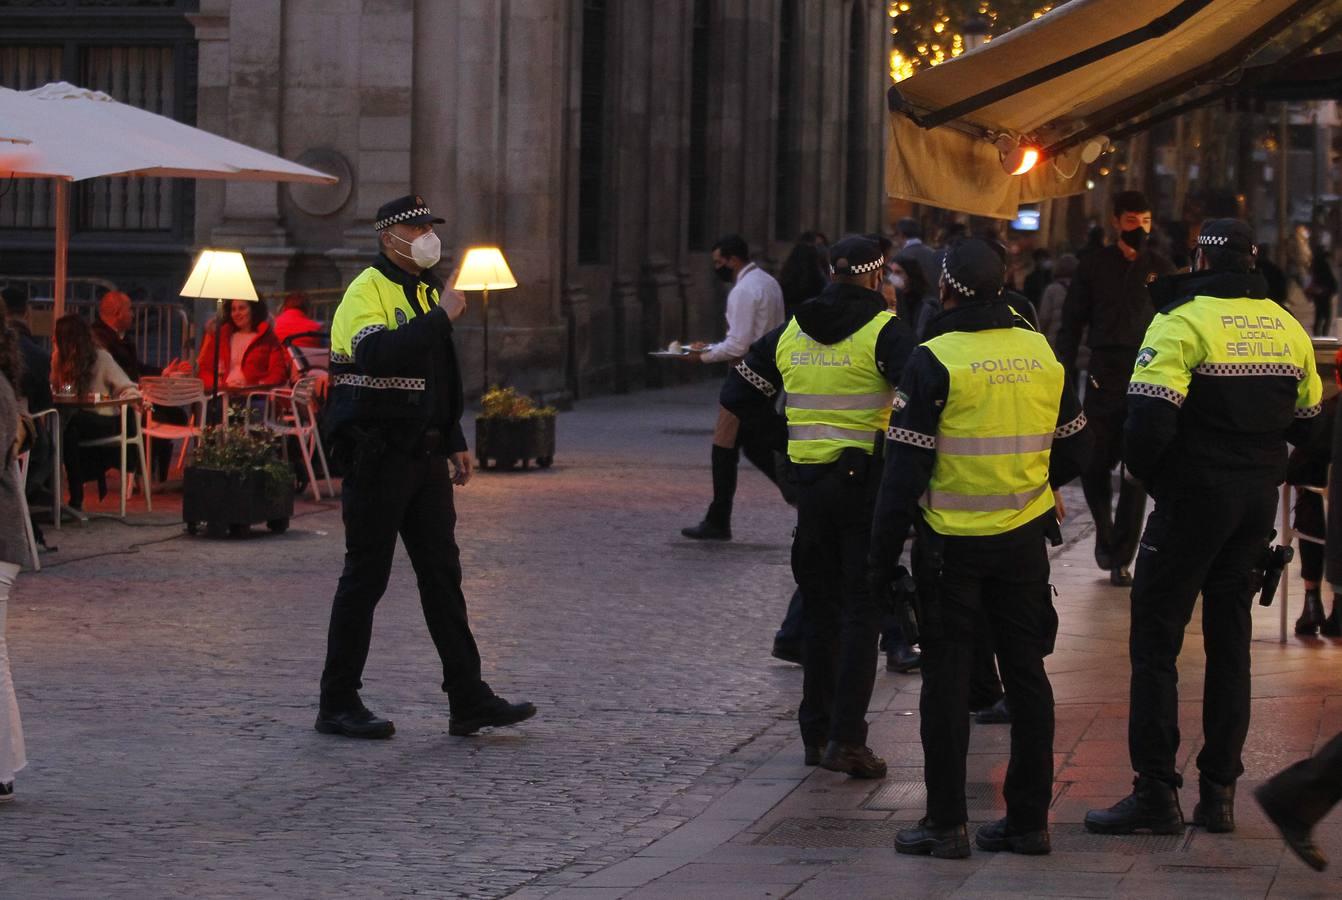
<point x="475" y="104"/>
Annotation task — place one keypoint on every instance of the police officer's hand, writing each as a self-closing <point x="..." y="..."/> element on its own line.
<point x="453" y="303"/>
<point x="462" y="467"/>
<point x="1059" y="508"/>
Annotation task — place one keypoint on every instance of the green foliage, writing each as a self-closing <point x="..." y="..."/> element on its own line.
<point x="236" y="449"/>
<point x="506" y="403"/>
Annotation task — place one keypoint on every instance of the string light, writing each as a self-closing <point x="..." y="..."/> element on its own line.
<point x="924" y="26"/>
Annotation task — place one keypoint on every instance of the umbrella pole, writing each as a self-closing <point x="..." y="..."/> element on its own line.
<point x="62" y="246"/>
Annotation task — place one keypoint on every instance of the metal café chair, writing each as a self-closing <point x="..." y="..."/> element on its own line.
<point x="20" y="473"/>
<point x="174" y="391"/>
<point x="130" y="413"/>
<point x="292" y="412"/>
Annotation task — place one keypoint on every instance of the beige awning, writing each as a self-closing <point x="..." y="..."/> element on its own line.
<point x="1057" y="82"/>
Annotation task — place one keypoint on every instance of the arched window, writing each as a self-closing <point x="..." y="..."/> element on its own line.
<point x="592" y="133"/>
<point x="855" y="201"/>
<point x="698" y="228"/>
<point x="785" y="134"/>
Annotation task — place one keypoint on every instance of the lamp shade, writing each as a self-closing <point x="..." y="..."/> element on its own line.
<point x="220" y="275"/>
<point x="484" y="269"/>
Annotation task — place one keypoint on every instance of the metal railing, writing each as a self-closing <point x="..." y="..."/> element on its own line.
<point x="161" y="331"/>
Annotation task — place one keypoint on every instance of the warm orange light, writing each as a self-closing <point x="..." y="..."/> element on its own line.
<point x="1024" y="159"/>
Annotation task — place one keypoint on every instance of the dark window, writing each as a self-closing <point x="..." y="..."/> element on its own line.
<point x="592" y="133"/>
<point x="26" y="202"/>
<point x="856" y="194"/>
<point x="785" y="136"/>
<point x="699" y="227"/>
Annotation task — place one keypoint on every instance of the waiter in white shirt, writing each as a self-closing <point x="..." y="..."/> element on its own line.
<point x="754" y="307"/>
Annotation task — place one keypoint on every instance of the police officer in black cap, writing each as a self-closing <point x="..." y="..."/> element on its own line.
<point x="838" y="361"/>
<point x="983" y="430"/>
<point x="394" y="417"/>
<point x="1223" y="380"/>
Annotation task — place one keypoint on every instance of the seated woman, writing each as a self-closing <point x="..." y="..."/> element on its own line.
<point x="249" y="353"/>
<point x="80" y="366"/>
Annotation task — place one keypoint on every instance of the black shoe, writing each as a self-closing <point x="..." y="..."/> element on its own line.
<point x="1296" y="835"/>
<point x="1152" y="806"/>
<point x="6" y="792"/>
<point x="903" y="658"/>
<point x="494" y="714"/>
<point x="1215" y="809"/>
<point x="997" y="714"/>
<point x="1120" y="577"/>
<point x="929" y="839"/>
<point x="1311" y="616"/>
<point x="356" y="723"/>
<point x="787" y="651"/>
<point x="708" y="531"/>
<point x="1103" y="559"/>
<point x="813" y="754"/>
<point x="856" y="760"/>
<point x="998" y="836"/>
<point x="1332" y="626"/>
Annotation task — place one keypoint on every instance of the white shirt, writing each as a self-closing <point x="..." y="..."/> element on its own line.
<point x="754" y="308"/>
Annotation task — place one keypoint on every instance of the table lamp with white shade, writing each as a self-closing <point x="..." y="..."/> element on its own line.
<point x="219" y="275"/>
<point x="484" y="269"/>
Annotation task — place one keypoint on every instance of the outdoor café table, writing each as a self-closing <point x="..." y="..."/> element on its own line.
<point x="69" y="404"/>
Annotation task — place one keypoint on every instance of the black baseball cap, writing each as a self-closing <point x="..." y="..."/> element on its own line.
<point x="1232" y="234"/>
<point x="855" y="255"/>
<point x="407" y="210"/>
<point x="974" y="270"/>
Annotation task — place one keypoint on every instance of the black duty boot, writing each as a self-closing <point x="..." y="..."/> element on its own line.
<point x="999" y="835"/>
<point x="1120" y="577"/>
<point x="856" y="760"/>
<point x="708" y="531"/>
<point x="1215" y="810"/>
<point x="1311" y="616"/>
<point x="1332" y="626"/>
<point x="901" y="657"/>
<point x="1152" y="806"/>
<point x="358" y="722"/>
<point x="930" y="839"/>
<point x="814" y="752"/>
<point x="997" y="714"/>
<point x="493" y="713"/>
<point x="1281" y="812"/>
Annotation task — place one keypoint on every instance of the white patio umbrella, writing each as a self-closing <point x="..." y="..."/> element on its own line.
<point x="73" y="134"/>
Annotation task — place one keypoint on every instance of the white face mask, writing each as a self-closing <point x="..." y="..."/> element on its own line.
<point x="898" y="282"/>
<point x="425" y="250"/>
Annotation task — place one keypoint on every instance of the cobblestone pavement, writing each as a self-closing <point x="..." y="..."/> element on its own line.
<point x="168" y="686"/>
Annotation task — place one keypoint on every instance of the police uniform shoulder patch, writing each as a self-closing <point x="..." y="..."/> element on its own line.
<point x="901" y="401"/>
<point x="400" y="317"/>
<point x="1146" y="357"/>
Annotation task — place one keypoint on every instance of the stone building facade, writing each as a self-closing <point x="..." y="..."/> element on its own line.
<point x="603" y="144"/>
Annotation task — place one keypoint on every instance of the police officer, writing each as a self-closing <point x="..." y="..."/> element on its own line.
<point x="394" y="418"/>
<point x="1223" y="380"/>
<point x="1109" y="301"/>
<point x="838" y="361"/>
<point x="982" y="431"/>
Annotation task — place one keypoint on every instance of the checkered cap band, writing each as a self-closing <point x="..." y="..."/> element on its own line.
<point x="401" y="217"/>
<point x="863" y="268"/>
<point x="950" y="279"/>
<point x="1212" y="240"/>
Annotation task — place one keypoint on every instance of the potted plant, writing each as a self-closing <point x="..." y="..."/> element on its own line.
<point x="511" y="428"/>
<point x="236" y="480"/>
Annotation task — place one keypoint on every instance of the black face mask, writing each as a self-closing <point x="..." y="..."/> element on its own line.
<point x="1133" y="237"/>
<point x="725" y="273"/>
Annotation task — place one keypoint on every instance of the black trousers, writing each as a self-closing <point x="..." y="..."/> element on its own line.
<point x="385" y="495"/>
<point x="1204" y="544"/>
<point x="1310" y="520"/>
<point x="1116" y="530"/>
<point x="1312" y="787"/>
<point x="841" y="619"/>
<point x="1000" y="583"/>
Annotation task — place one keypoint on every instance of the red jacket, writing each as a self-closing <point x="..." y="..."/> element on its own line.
<point x="295" y="321"/>
<point x="263" y="362"/>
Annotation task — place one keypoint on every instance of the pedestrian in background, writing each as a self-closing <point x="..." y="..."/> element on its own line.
<point x="1051" y="301"/>
<point x="1321" y="290"/>
<point x="754" y="307"/>
<point x="13" y="548"/>
<point x="1298" y="797"/>
<point x="1223" y="381"/>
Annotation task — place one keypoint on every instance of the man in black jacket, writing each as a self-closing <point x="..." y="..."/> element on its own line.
<point x="838" y="360"/>
<point x="1109" y="297"/>
<point x="1223" y="381"/>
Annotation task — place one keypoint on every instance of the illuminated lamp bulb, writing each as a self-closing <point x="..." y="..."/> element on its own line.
<point x="1020" y="160"/>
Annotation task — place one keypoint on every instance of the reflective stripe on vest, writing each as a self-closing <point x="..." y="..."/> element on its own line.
<point x="836" y="395"/>
<point x="995" y="433"/>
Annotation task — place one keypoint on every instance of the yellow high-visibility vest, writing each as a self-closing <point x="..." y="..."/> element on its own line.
<point x="836" y="396"/>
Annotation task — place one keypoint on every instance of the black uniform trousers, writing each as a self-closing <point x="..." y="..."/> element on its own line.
<point x="840" y="618"/>
<point x="385" y="494"/>
<point x="1001" y="583"/>
<point x="1116" y="530"/>
<point x="1206" y="542"/>
<point x="1311" y="787"/>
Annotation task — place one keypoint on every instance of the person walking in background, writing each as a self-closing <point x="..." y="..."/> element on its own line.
<point x="13" y="548"/>
<point x="1041" y="275"/>
<point x="1307" y="471"/>
<point x="801" y="276"/>
<point x="1109" y="302"/>
<point x="293" y="319"/>
<point x="754" y="307"/>
<point x="1051" y="302"/>
<point x="1298" y="797"/>
<point x="1321" y="290"/>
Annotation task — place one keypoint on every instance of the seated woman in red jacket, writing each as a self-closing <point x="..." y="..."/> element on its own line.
<point x="249" y="353"/>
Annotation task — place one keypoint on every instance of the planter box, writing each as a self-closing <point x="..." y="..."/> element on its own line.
<point x="508" y="442"/>
<point x="231" y="502"/>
